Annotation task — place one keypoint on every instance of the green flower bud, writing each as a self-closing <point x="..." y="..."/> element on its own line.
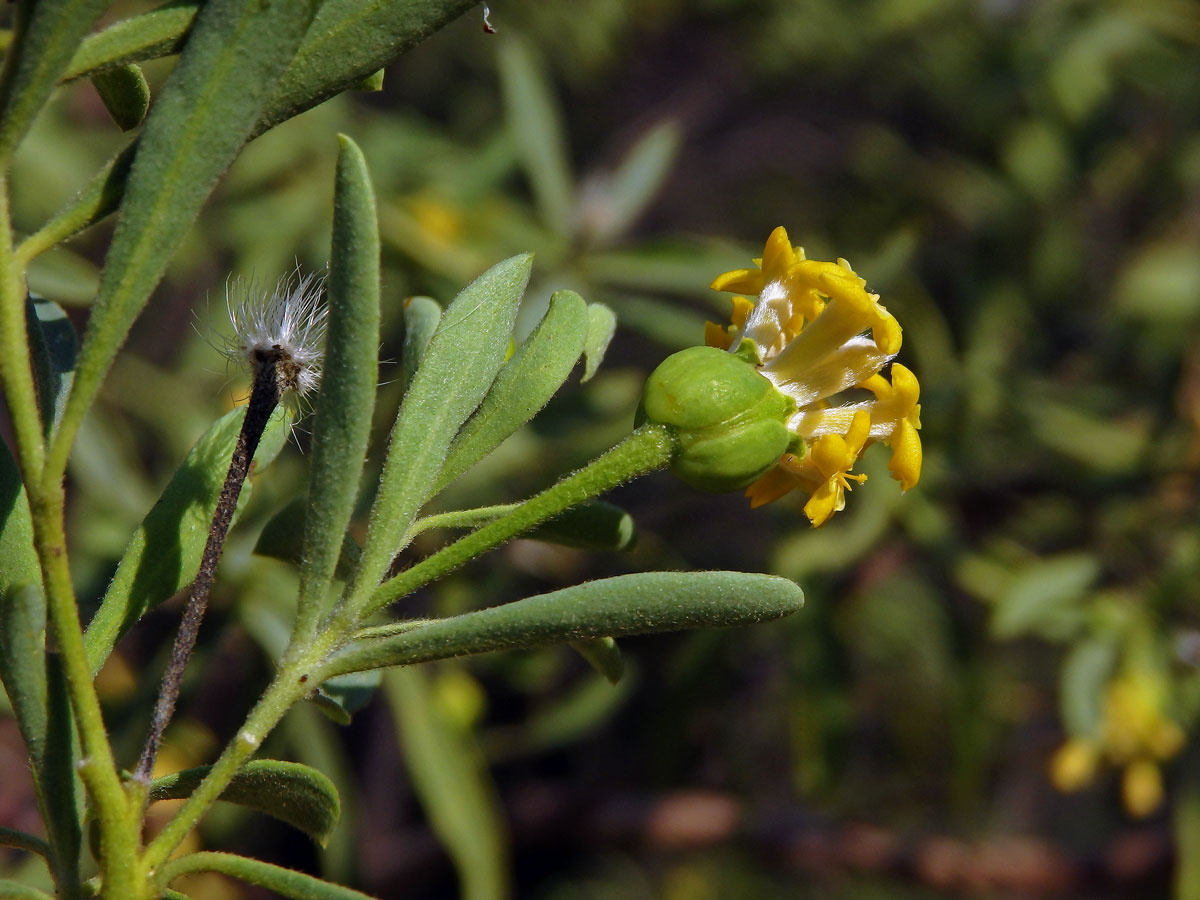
<point x="729" y="420"/>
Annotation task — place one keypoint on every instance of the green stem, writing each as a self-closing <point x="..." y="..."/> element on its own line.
<point x="16" y="367"/>
<point x="646" y="449"/>
<point x="289" y="686"/>
<point x="459" y="518"/>
<point x="118" y="829"/>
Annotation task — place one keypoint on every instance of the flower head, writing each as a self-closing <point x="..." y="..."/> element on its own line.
<point x="1135" y="733"/>
<point x="814" y="332"/>
<point x="284" y="328"/>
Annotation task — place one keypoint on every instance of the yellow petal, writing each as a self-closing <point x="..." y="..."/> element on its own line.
<point x="741" y="311"/>
<point x="716" y="336"/>
<point x="1074" y="764"/>
<point x="905" y="464"/>
<point x="1142" y="787"/>
<point x="825" y="501"/>
<point x="740" y="281"/>
<point x="777" y="256"/>
<point x="770" y="487"/>
<point x="1165" y="739"/>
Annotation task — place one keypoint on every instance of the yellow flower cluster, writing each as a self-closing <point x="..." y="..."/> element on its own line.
<point x="1135" y="734"/>
<point x="816" y="332"/>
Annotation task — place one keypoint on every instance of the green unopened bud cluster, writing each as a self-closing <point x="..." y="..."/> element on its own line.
<point x="729" y="421"/>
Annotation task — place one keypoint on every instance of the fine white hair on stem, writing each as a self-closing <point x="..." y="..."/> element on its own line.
<point x="285" y="326"/>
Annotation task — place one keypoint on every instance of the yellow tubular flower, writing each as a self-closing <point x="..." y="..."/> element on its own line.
<point x="817" y="332"/>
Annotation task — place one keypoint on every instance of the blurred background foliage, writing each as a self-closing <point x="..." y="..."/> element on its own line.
<point x="990" y="689"/>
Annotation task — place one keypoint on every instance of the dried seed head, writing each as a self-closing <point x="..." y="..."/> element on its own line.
<point x="284" y="328"/>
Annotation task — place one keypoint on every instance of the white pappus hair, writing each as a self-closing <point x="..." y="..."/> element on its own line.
<point x="286" y="325"/>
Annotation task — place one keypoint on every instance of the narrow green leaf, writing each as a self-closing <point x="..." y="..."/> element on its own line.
<point x="372" y="83"/>
<point x="209" y="105"/>
<point x="1042" y="597"/>
<point x="57" y="775"/>
<point x="18" y="558"/>
<point x="590" y="525"/>
<point x="282" y="538"/>
<point x="125" y="94"/>
<point x="22" y="662"/>
<point x="291" y="792"/>
<point x="11" y="837"/>
<point x="535" y="124"/>
<point x="164" y="554"/>
<point x="604" y="656"/>
<point x="14" y="890"/>
<point x="340" y="698"/>
<point x="525" y="384"/>
<point x="43" y="50"/>
<point x="1085" y="672"/>
<point x="98" y="198"/>
<point x="627" y="604"/>
<point x="421" y="318"/>
<point x="631" y="188"/>
<point x="451" y="779"/>
<point x="350" y="375"/>
<point x="460" y="365"/>
<point x="349" y="41"/>
<point x="285" y="882"/>
<point x="36" y="689"/>
<point x="158" y="32"/>
<point x="602" y="325"/>
<point x="53" y="348"/>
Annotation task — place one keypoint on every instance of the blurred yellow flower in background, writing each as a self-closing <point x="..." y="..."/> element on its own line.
<point x="1135" y="734"/>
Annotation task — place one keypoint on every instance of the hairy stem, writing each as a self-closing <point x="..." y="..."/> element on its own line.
<point x="264" y="397"/>
<point x="647" y="449"/>
<point x="118" y="830"/>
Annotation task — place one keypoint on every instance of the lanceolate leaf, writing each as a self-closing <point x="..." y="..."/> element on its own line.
<point x="421" y="317"/>
<point x="450" y="777"/>
<point x="343" y="420"/>
<point x="291" y="792"/>
<point x="283" y="882"/>
<point x="164" y="554"/>
<point x="627" y="604"/>
<point x="525" y="384"/>
<point x="48" y="39"/>
<point x="36" y="689"/>
<point x="604" y="656"/>
<point x="52" y="348"/>
<point x="535" y="124"/>
<point x="462" y="361"/>
<point x="283" y="538"/>
<point x="18" y="558"/>
<point x="152" y="34"/>
<point x="234" y="55"/>
<point x="602" y="325"/>
<point x="349" y="41"/>
<point x="125" y="93"/>
<point x="22" y="666"/>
